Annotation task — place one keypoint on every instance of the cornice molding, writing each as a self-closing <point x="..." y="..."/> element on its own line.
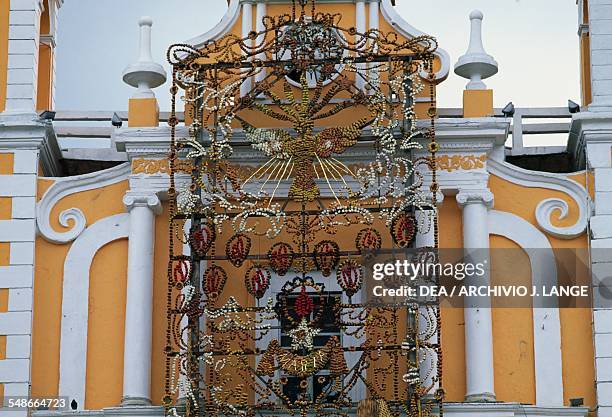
<point x="588" y="127"/>
<point x="153" y="142"/>
<point x="27" y="132"/>
<point x="64" y="187"/>
<point x="551" y="206"/>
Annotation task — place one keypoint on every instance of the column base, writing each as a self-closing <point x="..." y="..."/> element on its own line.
<point x="135" y="402"/>
<point x="136" y="411"/>
<point x="483" y="397"/>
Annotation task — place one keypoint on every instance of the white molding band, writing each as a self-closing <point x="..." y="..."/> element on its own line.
<point x="546" y="321"/>
<point x="550" y="206"/>
<point x="75" y="303"/>
<point x="64" y="187"/>
<point x="511" y="410"/>
<point x="224" y="26"/>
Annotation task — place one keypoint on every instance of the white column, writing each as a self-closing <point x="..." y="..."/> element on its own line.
<point x="477" y="314"/>
<point x="360" y="25"/>
<point x="142" y="206"/>
<point x="262" y="11"/>
<point x="600" y="32"/>
<point x="23" y="47"/>
<point x="374" y="14"/>
<point x="373" y="23"/>
<point x="247" y="27"/>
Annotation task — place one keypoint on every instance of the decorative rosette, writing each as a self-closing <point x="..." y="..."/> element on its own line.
<point x="202" y="238"/>
<point x="214" y="280"/>
<point x="237" y="249"/>
<point x="350" y="276"/>
<point x="403" y="230"/>
<point x="281" y="257"/>
<point x="326" y="256"/>
<point x="368" y="240"/>
<point x="257" y="281"/>
<point x="182" y="271"/>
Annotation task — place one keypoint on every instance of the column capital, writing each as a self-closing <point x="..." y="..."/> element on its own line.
<point x="465" y="197"/>
<point x="143" y="198"/>
<point x="428" y="197"/>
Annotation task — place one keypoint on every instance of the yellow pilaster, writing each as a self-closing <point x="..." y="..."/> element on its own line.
<point x="6" y="208"/>
<point x="2" y="347"/>
<point x="477" y="103"/>
<point x="143" y="112"/>
<point x="4" y="298"/>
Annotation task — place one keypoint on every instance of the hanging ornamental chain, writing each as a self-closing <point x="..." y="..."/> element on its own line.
<point x="265" y="310"/>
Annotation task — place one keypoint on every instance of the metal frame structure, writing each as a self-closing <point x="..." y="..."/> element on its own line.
<point x="296" y="202"/>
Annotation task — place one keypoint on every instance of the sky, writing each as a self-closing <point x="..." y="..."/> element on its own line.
<point x="534" y="42"/>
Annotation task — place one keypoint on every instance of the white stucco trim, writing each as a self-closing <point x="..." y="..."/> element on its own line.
<point x="510" y="410"/>
<point x="64" y="187"/>
<point x="551" y="206"/>
<point x="75" y="302"/>
<point x="407" y="30"/>
<point x="224" y="26"/>
<point x="546" y="324"/>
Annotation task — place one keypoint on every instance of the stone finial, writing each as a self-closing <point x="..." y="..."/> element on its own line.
<point x="145" y="74"/>
<point x="476" y="65"/>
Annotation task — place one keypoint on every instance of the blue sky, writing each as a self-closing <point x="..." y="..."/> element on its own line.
<point x="534" y="42"/>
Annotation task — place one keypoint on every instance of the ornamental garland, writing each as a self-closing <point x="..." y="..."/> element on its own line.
<point x="262" y="309"/>
<point x="306" y="365"/>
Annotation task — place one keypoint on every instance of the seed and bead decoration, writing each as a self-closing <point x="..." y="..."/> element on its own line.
<point x="257" y="281"/>
<point x="289" y="212"/>
<point x="403" y="230"/>
<point x="368" y="240"/>
<point x="214" y="281"/>
<point x="350" y="277"/>
<point x="326" y="256"/>
<point x="281" y="257"/>
<point x="237" y="249"/>
<point x="202" y="238"/>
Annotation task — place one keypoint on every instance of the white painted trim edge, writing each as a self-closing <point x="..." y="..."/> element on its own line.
<point x="75" y="302"/>
<point x="64" y="187"/>
<point x="224" y="26"/>
<point x="547" y="207"/>
<point x="407" y="30"/>
<point x="546" y="321"/>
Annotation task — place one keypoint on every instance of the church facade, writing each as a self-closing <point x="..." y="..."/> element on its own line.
<point x="134" y="279"/>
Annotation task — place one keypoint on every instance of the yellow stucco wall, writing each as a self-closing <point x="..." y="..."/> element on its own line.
<point x="513" y="329"/>
<point x="106" y="321"/>
<point x="513" y="332"/>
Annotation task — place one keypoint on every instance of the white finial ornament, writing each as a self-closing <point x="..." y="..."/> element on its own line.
<point x="476" y="65"/>
<point x="145" y="74"/>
